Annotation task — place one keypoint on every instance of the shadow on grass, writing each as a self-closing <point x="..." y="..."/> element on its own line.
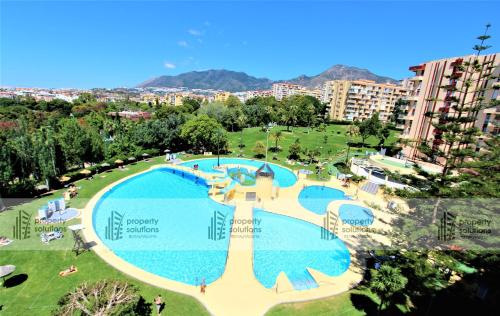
<point x="364" y="303"/>
<point x="15" y="280"/>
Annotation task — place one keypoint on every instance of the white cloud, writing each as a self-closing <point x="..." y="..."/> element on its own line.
<point x="182" y="43"/>
<point x="195" y="32"/>
<point x="169" y="65"/>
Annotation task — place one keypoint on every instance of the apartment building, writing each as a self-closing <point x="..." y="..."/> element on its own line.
<point x="434" y="89"/>
<point x="283" y="90"/>
<point x="221" y="96"/>
<point x="335" y="94"/>
<point x="360" y="99"/>
<point x="259" y="93"/>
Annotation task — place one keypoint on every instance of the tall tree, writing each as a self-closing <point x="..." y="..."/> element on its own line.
<point x="386" y="282"/>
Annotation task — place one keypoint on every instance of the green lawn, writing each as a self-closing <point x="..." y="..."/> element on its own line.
<point x="333" y="148"/>
<point x="355" y="302"/>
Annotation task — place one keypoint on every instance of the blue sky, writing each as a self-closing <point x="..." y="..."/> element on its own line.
<point x="112" y="44"/>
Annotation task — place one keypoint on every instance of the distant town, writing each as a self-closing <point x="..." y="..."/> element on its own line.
<point x="406" y="103"/>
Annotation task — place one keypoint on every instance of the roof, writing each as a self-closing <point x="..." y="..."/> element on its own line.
<point x="265" y="171"/>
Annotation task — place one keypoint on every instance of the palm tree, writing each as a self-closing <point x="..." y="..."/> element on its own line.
<point x="277" y="136"/>
<point x="386" y="282"/>
<point x="241" y="121"/>
<point x="351" y="132"/>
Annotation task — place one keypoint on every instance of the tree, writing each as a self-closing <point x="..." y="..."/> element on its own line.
<point x="85" y="97"/>
<point x="232" y="102"/>
<point x="383" y="133"/>
<point x="294" y="150"/>
<point x="45" y="150"/>
<point x="241" y="121"/>
<point x="103" y="298"/>
<point x="369" y="127"/>
<point x="191" y="103"/>
<point x="312" y="154"/>
<point x="386" y="282"/>
<point x="221" y="139"/>
<point x="73" y="141"/>
<point x="259" y="149"/>
<point x="351" y="132"/>
<point x="398" y="110"/>
<point x="277" y="136"/>
<point x="201" y="133"/>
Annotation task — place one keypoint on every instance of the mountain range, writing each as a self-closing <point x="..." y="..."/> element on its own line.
<point x="233" y="81"/>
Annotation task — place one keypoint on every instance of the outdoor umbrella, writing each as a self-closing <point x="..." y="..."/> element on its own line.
<point x="64" y="178"/>
<point x="305" y="171"/>
<point x="6" y="270"/>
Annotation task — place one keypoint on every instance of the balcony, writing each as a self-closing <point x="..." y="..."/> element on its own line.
<point x="417" y="68"/>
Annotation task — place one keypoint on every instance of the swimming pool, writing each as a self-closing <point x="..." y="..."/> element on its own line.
<point x="292" y="245"/>
<point x="282" y="176"/>
<point x="160" y="222"/>
<point x="355" y="215"/>
<point x="316" y="198"/>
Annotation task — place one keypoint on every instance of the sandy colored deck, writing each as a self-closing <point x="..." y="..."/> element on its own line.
<point x="238" y="292"/>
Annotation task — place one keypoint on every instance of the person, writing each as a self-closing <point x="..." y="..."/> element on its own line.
<point x="72" y="269"/>
<point x="203" y="286"/>
<point x="158" y="303"/>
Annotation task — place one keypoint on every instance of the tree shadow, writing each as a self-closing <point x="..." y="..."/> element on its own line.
<point x="364" y="303"/>
<point x="15" y="280"/>
<point x="143" y="308"/>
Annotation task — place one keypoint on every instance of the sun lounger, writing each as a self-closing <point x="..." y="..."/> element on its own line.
<point x="48" y="237"/>
<point x="4" y="241"/>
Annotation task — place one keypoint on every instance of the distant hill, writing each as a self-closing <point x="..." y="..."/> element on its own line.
<point x="239" y="81"/>
<point x="211" y="79"/>
<point x="339" y="72"/>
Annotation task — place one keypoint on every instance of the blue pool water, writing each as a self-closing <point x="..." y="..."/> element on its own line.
<point x="355" y="215"/>
<point x="316" y="198"/>
<point x="291" y="245"/>
<point x="282" y="176"/>
<point x="160" y="221"/>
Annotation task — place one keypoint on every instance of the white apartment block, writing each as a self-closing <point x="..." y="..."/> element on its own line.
<point x="360" y="99"/>
<point x="283" y="90"/>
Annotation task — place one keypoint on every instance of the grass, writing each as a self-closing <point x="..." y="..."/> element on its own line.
<point x="333" y="148"/>
<point x="39" y="293"/>
<point x="355" y="302"/>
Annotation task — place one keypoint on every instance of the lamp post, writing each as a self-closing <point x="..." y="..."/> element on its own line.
<point x="268" y="128"/>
